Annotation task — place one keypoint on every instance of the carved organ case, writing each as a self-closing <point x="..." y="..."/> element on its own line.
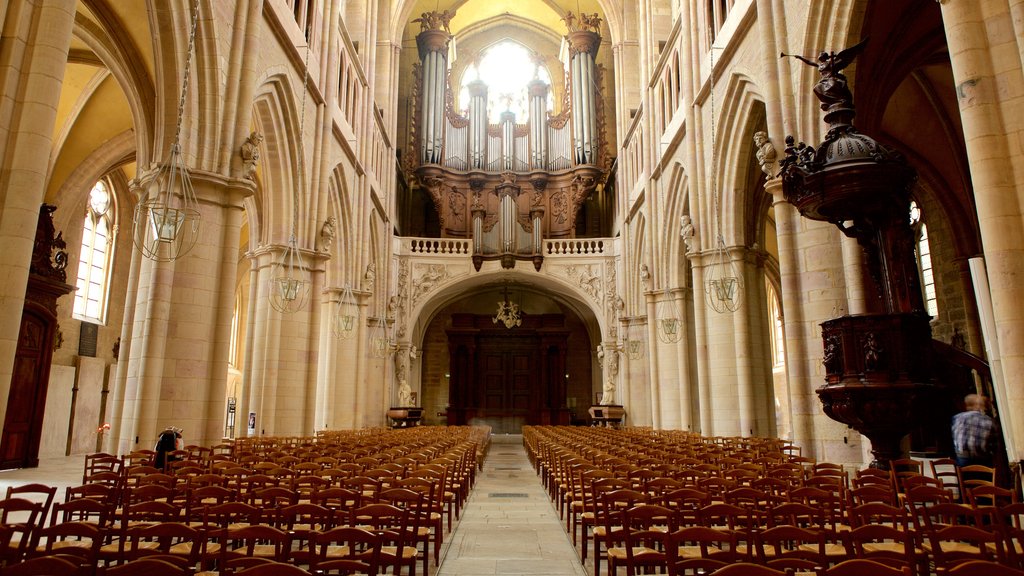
<point x="511" y="184"/>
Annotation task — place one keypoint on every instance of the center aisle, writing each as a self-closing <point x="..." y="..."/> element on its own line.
<point x="508" y="525"/>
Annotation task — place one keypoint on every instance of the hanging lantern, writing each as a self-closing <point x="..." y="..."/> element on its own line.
<point x="380" y="339"/>
<point x="634" y="341"/>
<point x="289" y="281"/>
<point x="165" y="225"/>
<point x="345" y="320"/>
<point x="723" y="284"/>
<point x="666" y="318"/>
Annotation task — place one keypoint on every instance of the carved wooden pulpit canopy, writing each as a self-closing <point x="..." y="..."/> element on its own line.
<point x="878" y="376"/>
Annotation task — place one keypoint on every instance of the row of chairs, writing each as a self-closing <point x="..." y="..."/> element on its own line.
<point x="433" y="490"/>
<point x="829" y="507"/>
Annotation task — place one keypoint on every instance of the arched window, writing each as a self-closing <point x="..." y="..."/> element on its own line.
<point x="506" y="68"/>
<point x="924" y="259"/>
<point x="96" y="257"/>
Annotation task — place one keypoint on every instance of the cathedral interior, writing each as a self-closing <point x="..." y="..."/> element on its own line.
<point x="278" y="217"/>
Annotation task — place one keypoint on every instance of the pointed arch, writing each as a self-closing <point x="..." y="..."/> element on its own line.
<point x="736" y="172"/>
<point x="673" y="252"/>
<point x="171" y="24"/>
<point x="276" y="117"/>
<point x="345" y="258"/>
<point x="110" y="42"/>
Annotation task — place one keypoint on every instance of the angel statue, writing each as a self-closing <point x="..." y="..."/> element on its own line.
<point x="831" y="89"/>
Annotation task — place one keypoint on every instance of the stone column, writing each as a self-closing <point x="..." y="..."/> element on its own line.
<point x="35" y="43"/>
<point x="177" y="366"/>
<point x="992" y="112"/>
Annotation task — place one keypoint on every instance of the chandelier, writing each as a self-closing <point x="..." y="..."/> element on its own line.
<point x="290" y="279"/>
<point x="723" y="284"/>
<point x="508" y="313"/>
<point x="344" y="322"/>
<point x="165" y="225"/>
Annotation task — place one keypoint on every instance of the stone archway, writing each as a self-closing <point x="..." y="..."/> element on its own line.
<point x="474" y="370"/>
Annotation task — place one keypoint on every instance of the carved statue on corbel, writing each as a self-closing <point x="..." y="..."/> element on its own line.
<point x="435" y="187"/>
<point x="402" y="292"/>
<point x="582" y="186"/>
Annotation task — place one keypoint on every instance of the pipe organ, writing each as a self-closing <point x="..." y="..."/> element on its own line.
<point x="469" y="167"/>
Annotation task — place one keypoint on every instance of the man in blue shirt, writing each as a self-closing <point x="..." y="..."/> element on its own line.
<point x="974" y="433"/>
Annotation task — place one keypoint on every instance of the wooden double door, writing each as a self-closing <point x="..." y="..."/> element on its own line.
<point x="505" y="379"/>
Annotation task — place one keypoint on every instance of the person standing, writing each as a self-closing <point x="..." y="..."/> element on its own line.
<point x="974" y="433"/>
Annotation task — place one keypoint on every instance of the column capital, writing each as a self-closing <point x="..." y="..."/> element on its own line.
<point x="432" y="41"/>
<point x="584" y="41"/>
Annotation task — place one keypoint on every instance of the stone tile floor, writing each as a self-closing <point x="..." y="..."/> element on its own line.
<point x="508" y="526"/>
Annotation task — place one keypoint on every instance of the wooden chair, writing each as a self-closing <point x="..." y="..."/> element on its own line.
<point x="344" y="549"/>
<point x="946" y="472"/>
<point x="881" y="543"/>
<point x="257" y="541"/>
<point x="983" y="568"/>
<point x="792" y="547"/>
<point x="901" y="468"/>
<point x="273" y="569"/>
<point x="35" y="493"/>
<point x="991" y="495"/>
<point x="53" y="565"/>
<point x="594" y="510"/>
<point x="976" y="475"/>
<point x="183" y="544"/>
<point x="391" y="524"/>
<point x="81" y="539"/>
<point x="697" y="549"/>
<point x="145" y="567"/>
<point x="748" y="569"/>
<point x="1011" y="523"/>
<point x="645" y="530"/>
<point x="21" y="519"/>
<point x="609" y="514"/>
<point x="862" y="567"/>
<point x="956" y="544"/>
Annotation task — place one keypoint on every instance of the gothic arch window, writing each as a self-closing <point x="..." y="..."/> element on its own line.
<point x="923" y="252"/>
<point x="95" y="260"/>
<point x="506" y="68"/>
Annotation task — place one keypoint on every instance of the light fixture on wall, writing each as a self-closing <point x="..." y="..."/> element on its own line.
<point x="289" y="278"/>
<point x="165" y="226"/>
<point x="634" y="340"/>
<point x="666" y="315"/>
<point x="344" y="322"/>
<point x="508" y="313"/>
<point x="380" y="340"/>
<point x="723" y="284"/>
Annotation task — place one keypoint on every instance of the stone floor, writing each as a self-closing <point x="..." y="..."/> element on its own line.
<point x="508" y="525"/>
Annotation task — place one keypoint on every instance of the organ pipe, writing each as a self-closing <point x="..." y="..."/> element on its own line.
<point x="432" y="42"/>
<point x="538" y="91"/>
<point x="478" y="124"/>
<point x="508" y="126"/>
<point x="583" y="46"/>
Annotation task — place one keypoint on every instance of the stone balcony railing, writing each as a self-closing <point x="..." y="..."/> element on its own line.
<point x="463" y="247"/>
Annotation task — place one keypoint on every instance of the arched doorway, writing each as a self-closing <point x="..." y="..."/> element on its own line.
<point x="476" y="370"/>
